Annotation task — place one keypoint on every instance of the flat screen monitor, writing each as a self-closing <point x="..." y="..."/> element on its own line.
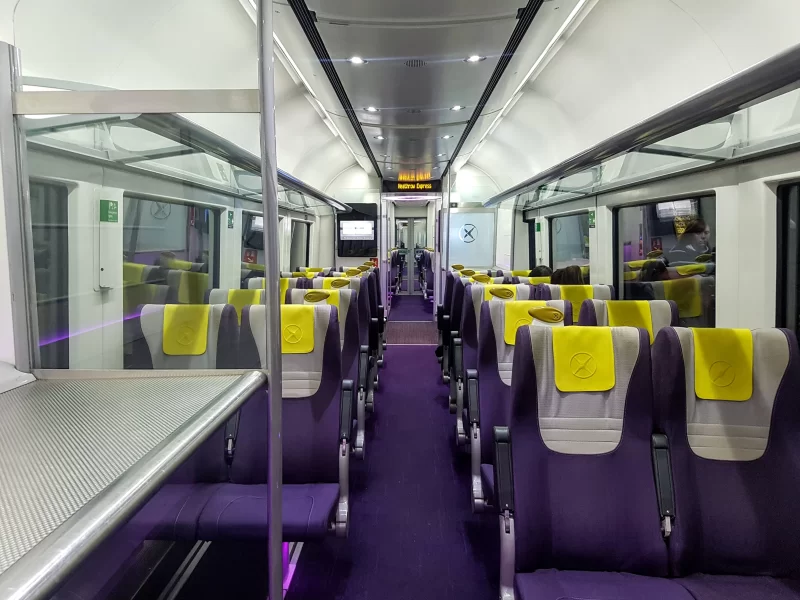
<point x="356" y="231"/>
<point x="357" y="237"/>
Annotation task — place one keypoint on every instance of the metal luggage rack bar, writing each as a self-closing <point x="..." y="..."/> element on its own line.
<point x="80" y="456"/>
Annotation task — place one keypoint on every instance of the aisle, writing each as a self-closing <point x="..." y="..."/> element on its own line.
<point x="412" y="532"/>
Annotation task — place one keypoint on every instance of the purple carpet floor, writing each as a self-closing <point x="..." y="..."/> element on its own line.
<point x="411" y="308"/>
<point x="412" y="533"/>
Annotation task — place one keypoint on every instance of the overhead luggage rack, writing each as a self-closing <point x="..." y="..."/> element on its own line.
<point x="81" y="455"/>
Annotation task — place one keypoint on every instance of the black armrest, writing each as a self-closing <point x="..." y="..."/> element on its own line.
<point x="662" y="469"/>
<point x="503" y="474"/>
<point x="445" y="330"/>
<point x="364" y="367"/>
<point x="472" y="397"/>
<point x="457" y="356"/>
<point x="346" y="410"/>
<point x="373" y="334"/>
<point x="381" y="319"/>
<point x="231" y="431"/>
<point x="440" y="317"/>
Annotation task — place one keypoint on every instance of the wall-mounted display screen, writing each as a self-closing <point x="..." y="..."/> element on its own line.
<point x="357" y="230"/>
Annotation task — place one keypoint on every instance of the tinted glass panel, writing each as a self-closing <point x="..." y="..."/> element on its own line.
<point x="569" y="243"/>
<point x="667" y="251"/>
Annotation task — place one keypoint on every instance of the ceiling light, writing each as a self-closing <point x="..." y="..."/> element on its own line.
<point x="474" y="58"/>
<point x="389" y="168"/>
<point x="446" y="137"/>
<point x="442" y="154"/>
<point x="457" y="107"/>
<point x="371" y="109"/>
<point x="379" y="137"/>
<point x="356" y="60"/>
<point x="385" y="155"/>
<point x="434" y="168"/>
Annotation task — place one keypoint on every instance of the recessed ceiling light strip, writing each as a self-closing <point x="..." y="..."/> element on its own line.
<point x="306" y="20"/>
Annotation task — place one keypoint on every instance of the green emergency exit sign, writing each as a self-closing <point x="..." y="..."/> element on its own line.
<point x="591" y="219"/>
<point x="109" y="211"/>
<point x="538" y="227"/>
<point x="230" y="219"/>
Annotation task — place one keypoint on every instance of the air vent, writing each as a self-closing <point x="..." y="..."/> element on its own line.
<point x="415" y="63"/>
<point x="413" y="111"/>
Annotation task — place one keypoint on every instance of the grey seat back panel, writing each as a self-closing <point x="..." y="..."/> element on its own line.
<point x="505" y="352"/>
<point x="152" y="323"/>
<point x="735" y="431"/>
<point x="582" y="422"/>
<point x="302" y="373"/>
<point x="523" y="292"/>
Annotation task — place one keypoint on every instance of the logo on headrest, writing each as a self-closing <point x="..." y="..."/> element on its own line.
<point x="316" y="296"/>
<point x="583" y="365"/>
<point x="186" y="334"/>
<point x="457" y="267"/>
<point x="292" y="334"/>
<point x="468" y="272"/>
<point x="721" y="373"/>
<point x="352" y="272"/>
<point x="363" y="269"/>
<point x="502" y="293"/>
<point x="482" y="278"/>
<point x="548" y="314"/>
<point x="339" y="283"/>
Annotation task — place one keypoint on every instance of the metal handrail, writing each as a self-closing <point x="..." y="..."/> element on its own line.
<point x="39" y="572"/>
<point x="769" y="78"/>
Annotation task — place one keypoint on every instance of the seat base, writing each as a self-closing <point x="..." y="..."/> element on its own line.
<point x="738" y="587"/>
<point x="584" y="585"/>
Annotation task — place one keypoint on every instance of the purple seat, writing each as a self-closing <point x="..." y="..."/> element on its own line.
<point x="585" y="585"/>
<point x="735" y="468"/>
<point x="464" y="354"/>
<point x="573" y="474"/>
<point x="491" y="406"/>
<point x="663" y="313"/>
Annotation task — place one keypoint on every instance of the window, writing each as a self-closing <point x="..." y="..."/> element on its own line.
<point x="300" y="240"/>
<point x="788" y="262"/>
<point x="667" y="251"/>
<point x="569" y="243"/>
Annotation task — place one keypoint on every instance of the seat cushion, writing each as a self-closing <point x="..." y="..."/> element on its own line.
<point x="586" y="585"/>
<point x="239" y="512"/>
<point x="171" y="514"/>
<point x="487" y="478"/>
<point x="737" y="587"/>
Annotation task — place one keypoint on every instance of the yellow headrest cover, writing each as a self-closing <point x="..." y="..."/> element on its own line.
<point x="284" y="288"/>
<point x="576" y="294"/>
<point x="503" y="291"/>
<point x="314" y="270"/>
<point x="132" y="272"/>
<point x="467" y="272"/>
<point x="690" y="269"/>
<point x="352" y="272"/>
<point x="630" y="313"/>
<point x="363" y="268"/>
<point x="704" y="258"/>
<point x="583" y="359"/>
<point x="636" y="264"/>
<point x="241" y="298"/>
<point x="517" y="315"/>
<point x="520" y="273"/>
<point x="298" y="274"/>
<point x="723" y="364"/>
<point x="535" y="280"/>
<point x="547" y="314"/>
<point x="367" y="263"/>
<point x="297" y="328"/>
<point x="185" y="329"/>
<point x="481" y="278"/>
<point x="181" y="265"/>
<point x="655" y="253"/>
<point x="255" y="267"/>
<point x="457" y="267"/>
<point x="630" y="275"/>
<point x="316" y="296"/>
<point x="192" y="287"/>
<point x="335" y="282"/>
<point x="686" y="294"/>
<point x="585" y="270"/>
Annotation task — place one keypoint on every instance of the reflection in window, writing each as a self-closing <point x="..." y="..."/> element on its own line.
<point x="667" y="251"/>
<point x="569" y="243"/>
<point x="49" y="218"/>
<point x="788" y="257"/>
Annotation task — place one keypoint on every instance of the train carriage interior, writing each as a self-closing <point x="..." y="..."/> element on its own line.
<point x="366" y="299"/>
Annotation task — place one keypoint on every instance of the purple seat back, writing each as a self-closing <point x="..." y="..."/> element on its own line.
<point x="310" y="423"/>
<point x="594" y="511"/>
<point x="736" y="501"/>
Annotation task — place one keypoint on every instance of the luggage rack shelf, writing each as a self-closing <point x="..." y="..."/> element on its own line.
<point x="79" y="456"/>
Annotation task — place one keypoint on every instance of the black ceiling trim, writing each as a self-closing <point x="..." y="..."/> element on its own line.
<point x="306" y="19"/>
<point x="525" y="17"/>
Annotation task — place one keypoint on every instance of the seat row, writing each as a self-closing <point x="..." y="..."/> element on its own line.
<point x="629" y="470"/>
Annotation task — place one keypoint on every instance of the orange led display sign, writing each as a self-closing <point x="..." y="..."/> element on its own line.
<point x="431" y="185"/>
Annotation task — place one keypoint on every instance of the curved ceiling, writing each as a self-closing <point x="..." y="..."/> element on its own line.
<point x="621" y="62"/>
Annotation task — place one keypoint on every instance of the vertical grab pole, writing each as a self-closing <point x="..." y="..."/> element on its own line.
<point x="269" y="203"/>
<point x="446" y="226"/>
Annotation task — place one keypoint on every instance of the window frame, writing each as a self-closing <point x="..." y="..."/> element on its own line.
<point x="785" y="194"/>
<point x="552" y="237"/>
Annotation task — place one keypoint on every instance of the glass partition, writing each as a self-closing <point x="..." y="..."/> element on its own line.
<point x="569" y="244"/>
<point x="667" y="251"/>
